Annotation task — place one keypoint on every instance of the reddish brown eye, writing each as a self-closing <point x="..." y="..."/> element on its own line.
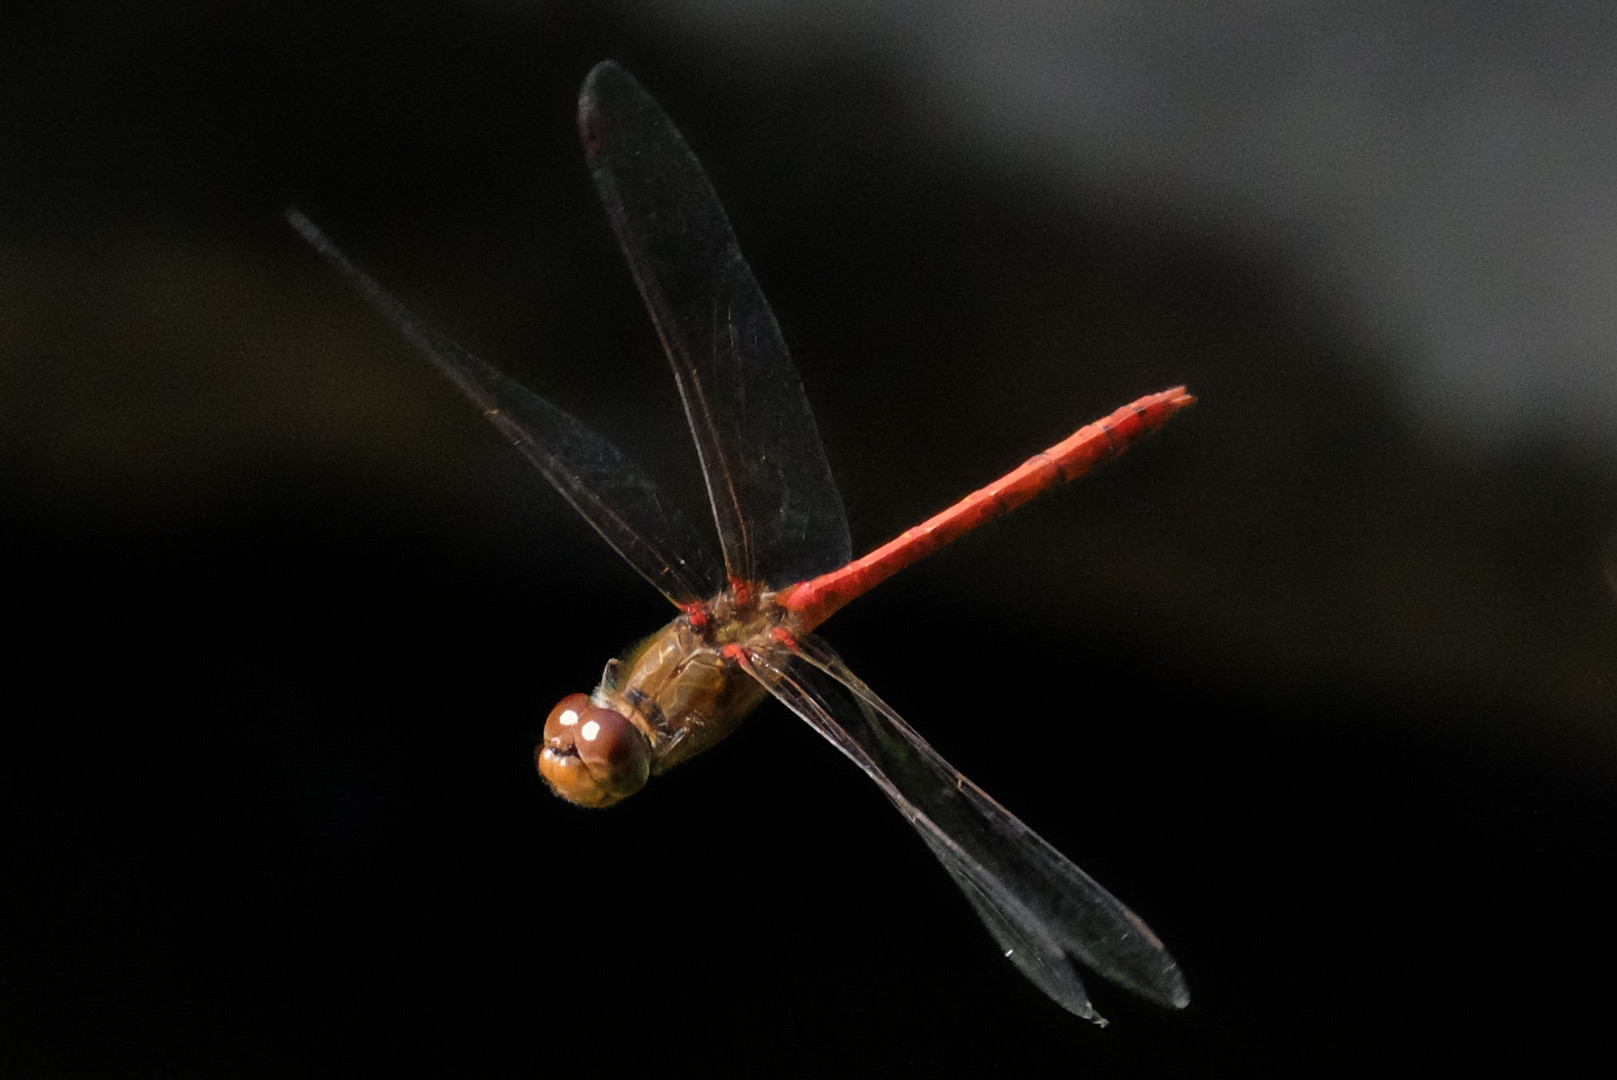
<point x="592" y="756"/>
<point x="564" y="718"/>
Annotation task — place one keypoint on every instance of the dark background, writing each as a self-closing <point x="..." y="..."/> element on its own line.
<point x="1320" y="680"/>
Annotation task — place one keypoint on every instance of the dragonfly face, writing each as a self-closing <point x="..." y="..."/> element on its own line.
<point x="592" y="756"/>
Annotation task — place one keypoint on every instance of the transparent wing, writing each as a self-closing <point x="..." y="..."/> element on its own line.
<point x="779" y="516"/>
<point x="601" y="483"/>
<point x="1042" y="910"/>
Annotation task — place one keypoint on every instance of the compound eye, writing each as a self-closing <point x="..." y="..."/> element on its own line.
<point x="592" y="756"/>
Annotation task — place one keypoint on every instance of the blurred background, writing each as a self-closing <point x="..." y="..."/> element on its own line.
<point x="1322" y="680"/>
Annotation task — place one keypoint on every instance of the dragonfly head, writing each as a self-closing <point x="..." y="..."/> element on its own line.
<point x="592" y="756"/>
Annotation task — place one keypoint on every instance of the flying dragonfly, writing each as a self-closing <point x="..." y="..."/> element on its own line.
<point x="745" y="622"/>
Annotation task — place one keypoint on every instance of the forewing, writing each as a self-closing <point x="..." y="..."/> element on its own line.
<point x="779" y="516"/>
<point x="1042" y="909"/>
<point x="601" y="483"/>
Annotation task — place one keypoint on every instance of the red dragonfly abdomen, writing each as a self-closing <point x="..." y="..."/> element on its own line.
<point x="816" y="600"/>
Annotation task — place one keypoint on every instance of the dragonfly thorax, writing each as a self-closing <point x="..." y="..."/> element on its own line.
<point x="675" y="695"/>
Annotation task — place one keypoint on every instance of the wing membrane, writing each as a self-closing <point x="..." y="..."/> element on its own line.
<point x="779" y="516"/>
<point x="1041" y="908"/>
<point x="603" y="485"/>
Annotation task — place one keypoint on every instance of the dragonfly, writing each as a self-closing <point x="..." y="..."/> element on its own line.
<point x="745" y="621"/>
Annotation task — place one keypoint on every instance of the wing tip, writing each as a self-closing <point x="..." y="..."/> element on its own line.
<point x="311" y="233"/>
<point x="1170" y="990"/>
<point x="605" y="69"/>
<point x="606" y="79"/>
<point x="1164" y="986"/>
